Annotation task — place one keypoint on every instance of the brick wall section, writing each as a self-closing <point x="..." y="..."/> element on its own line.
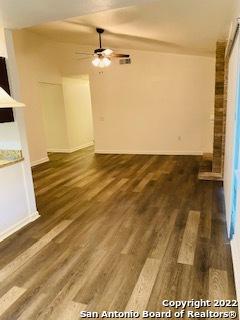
<point x="219" y="109"/>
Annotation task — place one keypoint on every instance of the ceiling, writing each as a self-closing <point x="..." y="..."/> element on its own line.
<point x="23" y="13"/>
<point x="179" y="26"/>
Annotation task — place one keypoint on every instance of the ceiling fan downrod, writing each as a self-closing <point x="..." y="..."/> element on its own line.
<point x="100" y="31"/>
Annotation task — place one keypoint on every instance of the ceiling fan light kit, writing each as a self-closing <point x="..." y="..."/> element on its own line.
<point x="101" y="62"/>
<point x="102" y="57"/>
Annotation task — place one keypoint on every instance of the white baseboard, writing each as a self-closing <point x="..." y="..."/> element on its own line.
<point x="89" y="144"/>
<point x="236" y="267"/>
<point x="40" y="161"/>
<point x="71" y="149"/>
<point x="19" y="225"/>
<point x="191" y="153"/>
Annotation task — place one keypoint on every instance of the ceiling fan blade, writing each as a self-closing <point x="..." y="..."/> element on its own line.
<point x="120" y="55"/>
<point x="85" y="53"/>
<point x="84" y="58"/>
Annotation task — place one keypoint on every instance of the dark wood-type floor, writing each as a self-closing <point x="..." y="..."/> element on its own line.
<point x="117" y="232"/>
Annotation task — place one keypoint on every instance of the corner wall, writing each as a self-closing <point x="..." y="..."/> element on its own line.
<point x="35" y="64"/>
<point x="17" y="201"/>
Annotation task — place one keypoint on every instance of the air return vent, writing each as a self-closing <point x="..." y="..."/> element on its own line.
<point x="125" y="61"/>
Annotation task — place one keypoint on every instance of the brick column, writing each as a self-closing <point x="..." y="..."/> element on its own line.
<point x="219" y="110"/>
<point x="211" y="167"/>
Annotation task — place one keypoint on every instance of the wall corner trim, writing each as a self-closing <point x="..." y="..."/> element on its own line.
<point x="40" y="161"/>
<point x="70" y="150"/>
<point x="19" y="225"/>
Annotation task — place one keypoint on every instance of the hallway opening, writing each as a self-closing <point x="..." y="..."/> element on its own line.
<point x="67" y="114"/>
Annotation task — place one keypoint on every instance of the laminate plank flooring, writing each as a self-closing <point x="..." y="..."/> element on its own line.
<point x="10" y="297"/>
<point x="30" y="252"/>
<point x="143" y="288"/>
<point x="71" y="311"/>
<point x="218" y="284"/>
<point x="188" y="246"/>
<point x="116" y="232"/>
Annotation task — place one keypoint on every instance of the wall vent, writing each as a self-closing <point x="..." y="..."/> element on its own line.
<point x="125" y="61"/>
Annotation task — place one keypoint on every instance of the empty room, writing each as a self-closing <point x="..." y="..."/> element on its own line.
<point x="119" y="159"/>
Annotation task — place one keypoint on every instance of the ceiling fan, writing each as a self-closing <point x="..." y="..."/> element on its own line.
<point x="102" y="57"/>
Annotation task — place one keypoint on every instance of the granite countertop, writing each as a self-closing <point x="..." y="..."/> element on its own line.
<point x="8" y="157"/>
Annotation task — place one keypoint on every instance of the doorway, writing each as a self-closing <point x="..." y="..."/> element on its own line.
<point x="67" y="114"/>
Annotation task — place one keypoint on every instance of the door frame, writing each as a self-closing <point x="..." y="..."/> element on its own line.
<point x="235" y="185"/>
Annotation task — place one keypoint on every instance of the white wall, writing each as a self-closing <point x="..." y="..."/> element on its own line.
<point x="54" y="117"/>
<point x="35" y="64"/>
<point x="17" y="200"/>
<point x="78" y="110"/>
<point x="14" y="206"/>
<point x="161" y="103"/>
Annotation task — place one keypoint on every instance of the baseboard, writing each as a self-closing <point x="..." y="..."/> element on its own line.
<point x="183" y="153"/>
<point x="40" y="161"/>
<point x="71" y="149"/>
<point x="19" y="225"/>
<point x="89" y="144"/>
<point x="236" y="267"/>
